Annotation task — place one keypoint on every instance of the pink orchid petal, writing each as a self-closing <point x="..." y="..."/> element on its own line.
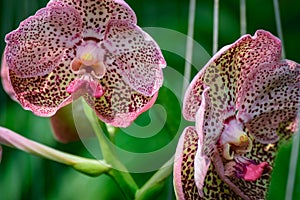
<point x="41" y="40"/>
<point x="63" y="126"/>
<point x="6" y="79"/>
<point x="137" y="55"/>
<point x="270" y="96"/>
<point x="261" y="48"/>
<point x="44" y="95"/>
<point x="192" y="97"/>
<point x="183" y="172"/>
<point x="202" y="163"/>
<point x="208" y="123"/>
<point x="120" y="104"/>
<point x="227" y="70"/>
<point x="125" y="119"/>
<point x="97" y="14"/>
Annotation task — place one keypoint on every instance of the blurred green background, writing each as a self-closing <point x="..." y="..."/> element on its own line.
<point x="24" y="176"/>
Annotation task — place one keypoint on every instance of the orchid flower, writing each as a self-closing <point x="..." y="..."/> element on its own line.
<point x="244" y="103"/>
<point x="88" y="48"/>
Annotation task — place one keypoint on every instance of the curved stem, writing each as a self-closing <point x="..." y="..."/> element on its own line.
<point x="87" y="166"/>
<point x="118" y="171"/>
<point x="156" y="182"/>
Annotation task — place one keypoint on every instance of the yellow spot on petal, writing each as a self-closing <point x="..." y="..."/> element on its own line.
<point x="268" y="147"/>
<point x="243" y="138"/>
<point x="87" y="57"/>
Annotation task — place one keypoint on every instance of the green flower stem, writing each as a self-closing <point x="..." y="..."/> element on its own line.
<point x="87" y="166"/>
<point x="112" y="131"/>
<point x="155" y="183"/>
<point x="118" y="171"/>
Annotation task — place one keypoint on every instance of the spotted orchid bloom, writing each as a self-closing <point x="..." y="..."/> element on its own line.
<point x="244" y="103"/>
<point x="88" y="48"/>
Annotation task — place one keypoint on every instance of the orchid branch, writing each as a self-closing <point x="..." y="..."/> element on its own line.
<point x="156" y="182"/>
<point x="118" y="171"/>
<point x="84" y="165"/>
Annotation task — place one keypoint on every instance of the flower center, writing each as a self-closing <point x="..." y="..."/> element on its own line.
<point x="89" y="60"/>
<point x="234" y="140"/>
<point x="89" y="67"/>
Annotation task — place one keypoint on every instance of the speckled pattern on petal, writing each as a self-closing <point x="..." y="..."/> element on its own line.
<point x="184" y="180"/>
<point x="192" y="97"/>
<point x="270" y="96"/>
<point x="227" y="70"/>
<point x="137" y="55"/>
<point x="40" y="41"/>
<point x="226" y="75"/>
<point x="44" y="95"/>
<point x="96" y="14"/>
<point x="215" y="188"/>
<point x="120" y="104"/>
<point x="53" y="38"/>
<point x="246" y="81"/>
<point x="263" y="152"/>
<point x="209" y="123"/>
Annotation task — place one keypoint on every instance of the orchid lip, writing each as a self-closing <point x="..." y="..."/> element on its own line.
<point x="89" y="67"/>
<point x="247" y="169"/>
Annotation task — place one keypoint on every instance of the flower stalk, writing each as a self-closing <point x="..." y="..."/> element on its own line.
<point x="118" y="171"/>
<point x="84" y="165"/>
<point x="155" y="183"/>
